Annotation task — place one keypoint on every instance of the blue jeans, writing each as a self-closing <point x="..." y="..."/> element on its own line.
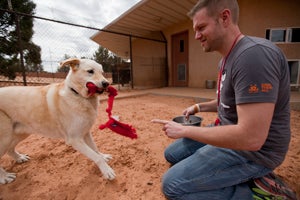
<point x="202" y="171"/>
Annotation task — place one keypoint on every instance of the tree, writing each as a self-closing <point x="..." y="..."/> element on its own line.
<point x="9" y="49"/>
<point x="107" y="59"/>
<point x="102" y="56"/>
<point x="33" y="58"/>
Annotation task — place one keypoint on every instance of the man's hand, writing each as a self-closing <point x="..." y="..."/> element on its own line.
<point x="172" y="129"/>
<point x="191" y="110"/>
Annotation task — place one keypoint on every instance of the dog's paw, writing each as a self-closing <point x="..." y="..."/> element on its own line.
<point x="22" y="158"/>
<point x="109" y="173"/>
<point x="6" y="177"/>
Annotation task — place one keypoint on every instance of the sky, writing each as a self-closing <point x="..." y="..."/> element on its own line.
<point x="56" y="40"/>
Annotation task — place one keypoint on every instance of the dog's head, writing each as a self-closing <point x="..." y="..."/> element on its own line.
<point x="85" y="77"/>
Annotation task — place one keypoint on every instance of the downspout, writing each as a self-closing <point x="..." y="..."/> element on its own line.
<point x="131" y="61"/>
<point x="167" y="64"/>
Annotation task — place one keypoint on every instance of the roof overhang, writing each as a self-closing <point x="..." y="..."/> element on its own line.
<point x="146" y="20"/>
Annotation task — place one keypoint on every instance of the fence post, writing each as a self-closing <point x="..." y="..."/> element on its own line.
<point x="21" y="49"/>
<point x="19" y="42"/>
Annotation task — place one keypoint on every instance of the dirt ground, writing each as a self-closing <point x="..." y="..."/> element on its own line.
<point x="58" y="172"/>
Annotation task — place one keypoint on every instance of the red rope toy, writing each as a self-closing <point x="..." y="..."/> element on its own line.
<point x="113" y="124"/>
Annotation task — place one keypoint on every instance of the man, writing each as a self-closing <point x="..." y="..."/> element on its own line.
<point x="251" y="135"/>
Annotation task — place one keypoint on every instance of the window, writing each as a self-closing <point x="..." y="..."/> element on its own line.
<point x="181" y="44"/>
<point x="294" y="35"/>
<point x="294" y="72"/>
<point x="278" y="35"/>
<point x="283" y="35"/>
<point x="181" y="72"/>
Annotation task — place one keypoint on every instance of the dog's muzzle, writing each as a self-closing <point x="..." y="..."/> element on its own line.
<point x="92" y="88"/>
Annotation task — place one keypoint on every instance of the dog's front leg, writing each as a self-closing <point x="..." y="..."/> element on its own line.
<point x="90" y="142"/>
<point x="18" y="157"/>
<point x="81" y="146"/>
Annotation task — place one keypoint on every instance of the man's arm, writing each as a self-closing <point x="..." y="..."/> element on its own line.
<point x="249" y="133"/>
<point x="210" y="106"/>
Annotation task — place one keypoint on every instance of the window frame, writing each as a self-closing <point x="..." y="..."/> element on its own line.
<point x="297" y="84"/>
<point x="287" y="37"/>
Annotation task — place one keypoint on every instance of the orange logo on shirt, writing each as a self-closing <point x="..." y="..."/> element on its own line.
<point x="253" y="89"/>
<point x="266" y="87"/>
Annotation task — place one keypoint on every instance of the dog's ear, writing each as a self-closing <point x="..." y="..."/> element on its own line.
<point x="71" y="62"/>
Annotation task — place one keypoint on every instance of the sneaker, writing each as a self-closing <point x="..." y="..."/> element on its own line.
<point x="271" y="187"/>
<point x="259" y="194"/>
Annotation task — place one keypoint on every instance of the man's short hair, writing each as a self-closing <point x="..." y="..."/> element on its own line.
<point x="214" y="7"/>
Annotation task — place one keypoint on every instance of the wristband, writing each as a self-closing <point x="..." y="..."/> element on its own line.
<point x="196" y="108"/>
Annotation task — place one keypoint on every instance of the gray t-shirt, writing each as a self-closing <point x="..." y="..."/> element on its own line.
<point x="257" y="71"/>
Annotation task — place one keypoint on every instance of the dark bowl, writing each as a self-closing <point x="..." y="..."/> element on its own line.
<point x="191" y="121"/>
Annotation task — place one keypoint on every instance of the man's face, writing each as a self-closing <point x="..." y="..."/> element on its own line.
<point x="207" y="30"/>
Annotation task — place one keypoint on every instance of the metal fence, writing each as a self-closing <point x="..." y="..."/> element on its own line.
<point x="33" y="78"/>
<point x="58" y="40"/>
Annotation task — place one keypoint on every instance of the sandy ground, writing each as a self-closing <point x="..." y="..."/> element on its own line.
<point x="58" y="172"/>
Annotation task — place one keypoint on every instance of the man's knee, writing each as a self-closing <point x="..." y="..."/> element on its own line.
<point x="169" y="157"/>
<point x="169" y="188"/>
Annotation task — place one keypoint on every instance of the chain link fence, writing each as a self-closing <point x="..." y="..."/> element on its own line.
<point x="57" y="41"/>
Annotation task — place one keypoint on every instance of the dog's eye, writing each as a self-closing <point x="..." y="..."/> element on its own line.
<point x="91" y="71"/>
